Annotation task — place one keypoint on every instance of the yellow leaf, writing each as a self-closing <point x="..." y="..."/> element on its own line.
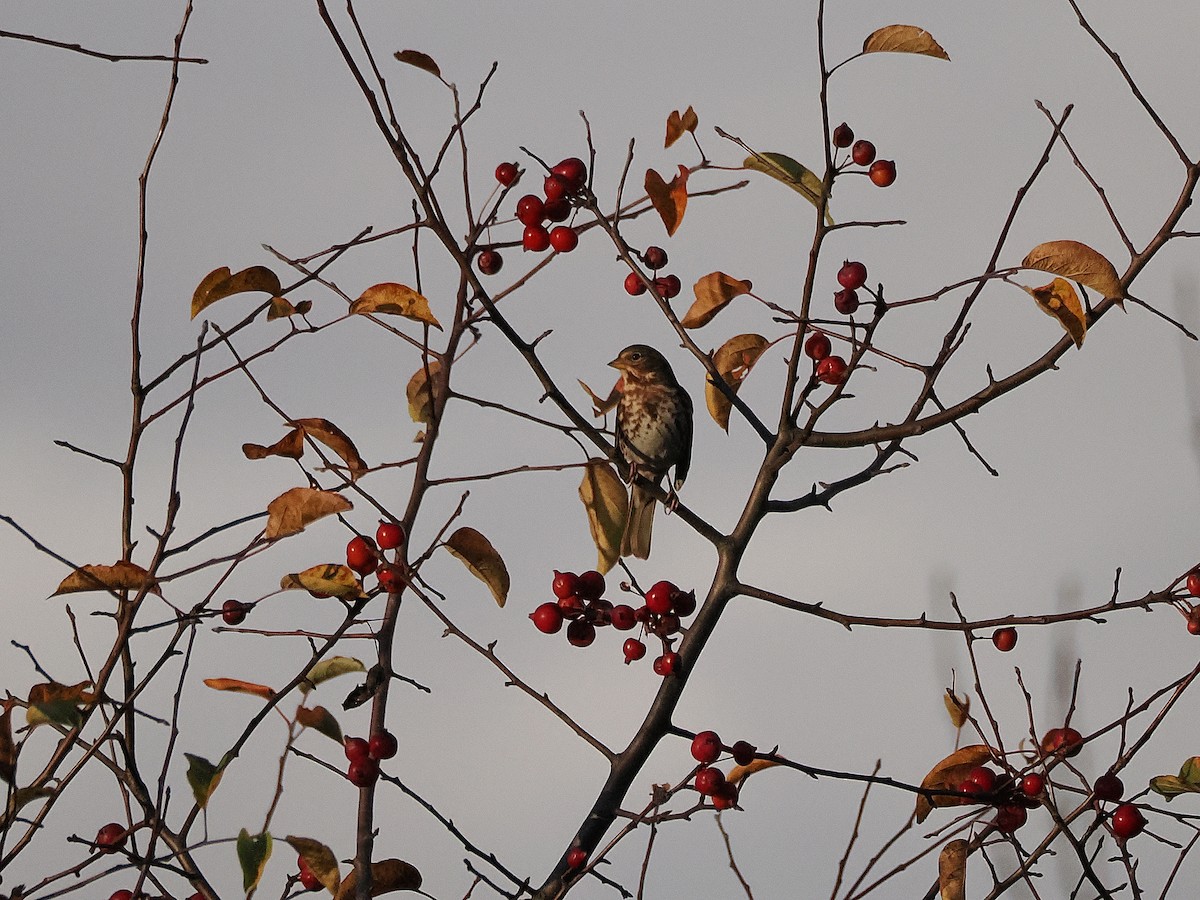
<point x="291" y="446"/>
<point x="219" y="283"/>
<point x="320" y="860"/>
<point x="796" y="176"/>
<point x="733" y="360"/>
<point x="336" y="440"/>
<point x="680" y="124"/>
<point x="606" y="502"/>
<point x="600" y="407"/>
<point x="329" y="579"/>
<point x="394" y="299"/>
<point x="121" y="576"/>
<point x="386" y="875"/>
<point x="904" y="39"/>
<point x="1079" y="262"/>
<point x="739" y="774"/>
<point x="957" y="707"/>
<point x="420" y="397"/>
<point x="328" y="668"/>
<point x="237" y="686"/>
<point x="420" y="60"/>
<point x="1058" y="299"/>
<point x="713" y="293"/>
<point x="670" y="199"/>
<point x="293" y="510"/>
<point x="282" y="308"/>
<point x="948" y="774"/>
<point x="478" y="554"/>
<point x="952" y="870"/>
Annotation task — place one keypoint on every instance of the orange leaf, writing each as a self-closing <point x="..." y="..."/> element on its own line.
<point x="237" y="686"/>
<point x="291" y="446"/>
<point x="292" y="510"/>
<point x="421" y="60"/>
<point x="219" y="283"/>
<point x="713" y="293"/>
<point x="904" y="39"/>
<point x="733" y="360"/>
<point x="1079" y="262"/>
<point x="680" y="124"/>
<point x="740" y="773"/>
<point x="669" y="199"/>
<point x="1058" y="299"/>
<point x="121" y="576"/>
<point x="600" y="407"/>
<point x="394" y="299"/>
<point x="330" y="579"/>
<point x="336" y="440"/>
<point x="320" y="719"/>
<point x="948" y="774"/>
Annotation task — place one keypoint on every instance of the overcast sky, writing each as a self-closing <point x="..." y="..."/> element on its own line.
<point x="271" y="143"/>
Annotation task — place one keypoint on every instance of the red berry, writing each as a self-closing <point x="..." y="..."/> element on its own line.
<point x="1193" y="621"/>
<point x="1127" y="821"/>
<point x="382" y="745"/>
<point x="555" y="187"/>
<point x="667" y="664"/>
<point x="979" y="781"/>
<point x="882" y="172"/>
<point x="655" y="257"/>
<point x="817" y="346"/>
<point x="547" y="618"/>
<point x="535" y="238"/>
<point x="843" y="135"/>
<point x="391" y="578"/>
<point x="668" y="623"/>
<point x="845" y="301"/>
<point x="706" y="747"/>
<point x="361" y="555"/>
<point x="1193" y="583"/>
<point x="634" y="284"/>
<point x="563" y="239"/>
<point x="121" y="895"/>
<point x="1065" y="742"/>
<point x="302" y="864"/>
<point x="1033" y="784"/>
<point x="362" y="772"/>
<point x="832" y="370"/>
<point x="310" y="881"/>
<point x="622" y="617"/>
<point x="591" y="585"/>
<point x="529" y="210"/>
<point x="557" y="210"/>
<point x="1004" y="639"/>
<point x="1109" y="787"/>
<point x="576" y="857"/>
<point x="658" y="598"/>
<point x="356" y="748"/>
<point x="743" y="753"/>
<point x="599" y="613"/>
<point x="709" y="780"/>
<point x="684" y="602"/>
<point x="489" y="262"/>
<point x="571" y="607"/>
<point x="852" y="275"/>
<point x="234" y="612"/>
<point x="863" y="153"/>
<point x="668" y="287"/>
<point x="633" y="650"/>
<point x="506" y="173"/>
<point x="389" y="535"/>
<point x="573" y="170"/>
<point x="726" y="797"/>
<point x="564" y="584"/>
<point x="110" y="838"/>
<point x="581" y="633"/>
<point x="1010" y="818"/>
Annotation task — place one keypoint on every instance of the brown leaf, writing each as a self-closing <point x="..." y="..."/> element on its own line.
<point x="8" y="749"/>
<point x="1079" y="262"/>
<point x="54" y="702"/>
<point x="481" y="558"/>
<point x="669" y="199"/>
<point x="420" y="397"/>
<point x="219" y="283"/>
<point x="680" y="124"/>
<point x="958" y="708"/>
<point x="386" y="875"/>
<point x="606" y="502"/>
<point x="733" y="360"/>
<point x="952" y="870"/>
<point x="948" y="774"/>
<point x="120" y="576"/>
<point x="336" y="440"/>
<point x="904" y="39"/>
<point x="293" y="510"/>
<point x="237" y="686"/>
<point x="1058" y="299"/>
<point x="282" y="308"/>
<point x="739" y="774"/>
<point x="291" y="446"/>
<point x="420" y="60"/>
<point x="330" y="579"/>
<point x="394" y="299"/>
<point x="713" y="293"/>
<point x="320" y="860"/>
<point x="600" y="407"/>
<point x="320" y="719"/>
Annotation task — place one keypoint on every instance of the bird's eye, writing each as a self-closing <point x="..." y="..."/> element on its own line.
<point x="635" y="355"/>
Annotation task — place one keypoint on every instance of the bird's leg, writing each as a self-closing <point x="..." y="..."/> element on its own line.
<point x="672" y="500"/>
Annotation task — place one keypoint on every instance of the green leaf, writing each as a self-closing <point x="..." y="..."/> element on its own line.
<point x="321" y="719"/>
<point x="203" y="776"/>
<point x="330" y="668"/>
<point x="1186" y="782"/>
<point x="253" y="852"/>
<point x="61" y="712"/>
<point x="800" y="179"/>
<point x="320" y="860"/>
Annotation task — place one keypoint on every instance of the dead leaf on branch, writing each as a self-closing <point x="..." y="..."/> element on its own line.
<point x="1059" y="300"/>
<point x="328" y="579"/>
<point x="336" y="440"/>
<point x="322" y="720"/>
<point x="220" y="283"/>
<point x="733" y="360"/>
<point x="609" y="403"/>
<point x="606" y="501"/>
<point x="904" y="39"/>
<point x="952" y="870"/>
<point x="387" y="875"/>
<point x="713" y="293"/>
<point x="482" y="559"/>
<point x="679" y="124"/>
<point x="282" y="308"/>
<point x="798" y="177"/>
<point x="947" y="775"/>
<point x="121" y="576"/>
<point x="58" y="703"/>
<point x="330" y="668"/>
<point x="420" y="396"/>
<point x="958" y="708"/>
<point x="293" y="510"/>
<point x="1078" y="262"/>
<point x="320" y="859"/>
<point x="421" y="60"/>
<point x="290" y="446"/>
<point x="669" y="199"/>
<point x="739" y="774"/>
<point x="237" y="686"/>
<point x="8" y="749"/>
<point x="390" y="298"/>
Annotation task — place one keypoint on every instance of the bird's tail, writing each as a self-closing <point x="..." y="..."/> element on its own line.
<point x="636" y="539"/>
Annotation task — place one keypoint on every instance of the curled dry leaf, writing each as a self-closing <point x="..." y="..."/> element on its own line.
<point x="290" y="446"/>
<point x="59" y="703"/>
<point x="330" y="668"/>
<point x="320" y="860"/>
<point x="679" y="124"/>
<point x="606" y="501"/>
<point x="421" y="60"/>
<point x="219" y="283"/>
<point x="387" y="875"/>
<point x="8" y="749"/>
<point x="669" y="199"/>
<point x="481" y="558"/>
<point x="293" y="510"/>
<point x="253" y="851"/>
<point x="948" y="774"/>
<point x="609" y="403"/>
<point x="952" y="870"/>
<point x="739" y="774"/>
<point x="958" y="708"/>
<point x="394" y="299"/>
<point x="203" y="777"/>
<point x="904" y="39"/>
<point x="330" y="579"/>
<point x="237" y="686"/>
<point x="1186" y="782"/>
<point x="282" y="308"/>
<point x="320" y="719"/>
<point x="799" y="178"/>
<point x="420" y="396"/>
<point x="121" y="576"/>
<point x="336" y="440"/>
<point x="1058" y="299"/>
<point x="713" y="293"/>
<point x="1079" y="262"/>
<point x="733" y="360"/>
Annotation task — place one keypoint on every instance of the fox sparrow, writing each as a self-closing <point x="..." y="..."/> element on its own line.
<point x="654" y="433"/>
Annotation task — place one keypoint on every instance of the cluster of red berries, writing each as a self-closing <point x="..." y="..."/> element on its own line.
<point x="308" y="878"/>
<point x="565" y="180"/>
<point x="1193" y="613"/>
<point x="709" y="780"/>
<point x="882" y="172"/>
<point x="580" y="601"/>
<point x="666" y="286"/>
<point x="363" y="555"/>
<point x="365" y="755"/>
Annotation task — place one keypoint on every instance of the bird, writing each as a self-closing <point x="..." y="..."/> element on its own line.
<point x="654" y="434"/>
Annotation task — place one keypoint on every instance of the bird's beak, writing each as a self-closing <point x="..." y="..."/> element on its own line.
<point x="618" y="364"/>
